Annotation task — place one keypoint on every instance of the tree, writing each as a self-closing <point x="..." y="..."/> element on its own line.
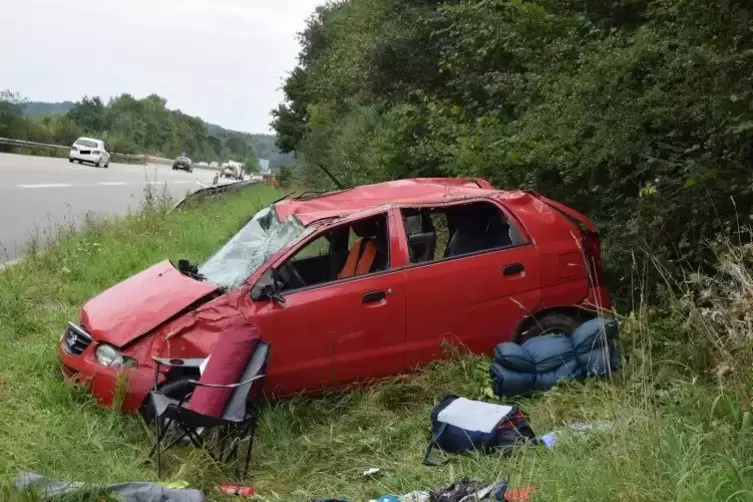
<point x="636" y="112"/>
<point x="11" y="114"/>
<point x="89" y="114"/>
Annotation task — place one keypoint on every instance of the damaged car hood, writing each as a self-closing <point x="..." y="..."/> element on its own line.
<point x="142" y="302"/>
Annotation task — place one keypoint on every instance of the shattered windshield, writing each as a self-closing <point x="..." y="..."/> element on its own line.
<point x="260" y="238"/>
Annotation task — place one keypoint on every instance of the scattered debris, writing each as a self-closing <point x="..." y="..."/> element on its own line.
<point x="237" y="490"/>
<point x="466" y="490"/>
<point x="550" y="439"/>
<point x="416" y="497"/>
<point x="371" y="472"/>
<point x="129" y="492"/>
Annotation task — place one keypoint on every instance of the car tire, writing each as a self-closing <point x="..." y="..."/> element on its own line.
<point x="70" y="160"/>
<point x="178" y="388"/>
<point x="98" y="164"/>
<point x="555" y="322"/>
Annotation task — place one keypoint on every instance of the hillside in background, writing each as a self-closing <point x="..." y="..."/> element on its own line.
<point x="35" y="108"/>
<point x="133" y="125"/>
<point x="264" y="145"/>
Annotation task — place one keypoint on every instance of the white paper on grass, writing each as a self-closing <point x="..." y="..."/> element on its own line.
<point x="474" y="415"/>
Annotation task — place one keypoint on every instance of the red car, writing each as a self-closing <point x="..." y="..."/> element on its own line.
<point x="350" y="286"/>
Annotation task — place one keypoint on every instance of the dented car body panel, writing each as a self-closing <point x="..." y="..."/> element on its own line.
<point x="454" y="261"/>
<point x="142" y="302"/>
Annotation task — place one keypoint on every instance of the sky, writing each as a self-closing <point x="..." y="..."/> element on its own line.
<point x="222" y="60"/>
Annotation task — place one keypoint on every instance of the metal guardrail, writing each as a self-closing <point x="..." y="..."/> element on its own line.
<point x="158" y="160"/>
<point x="215" y="190"/>
<point x="20" y="143"/>
<point x="142" y="159"/>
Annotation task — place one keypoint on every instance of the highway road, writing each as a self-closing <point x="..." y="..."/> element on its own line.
<point x="37" y="193"/>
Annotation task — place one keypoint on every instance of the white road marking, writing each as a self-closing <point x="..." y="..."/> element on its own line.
<point x="180" y="182"/>
<point x="112" y="183"/>
<point x="46" y="185"/>
<point x="154" y="182"/>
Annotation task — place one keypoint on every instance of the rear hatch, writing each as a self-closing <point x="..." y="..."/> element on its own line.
<point x="590" y="240"/>
<point x="85" y="146"/>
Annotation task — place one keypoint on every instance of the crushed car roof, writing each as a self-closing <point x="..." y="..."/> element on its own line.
<point x="410" y="191"/>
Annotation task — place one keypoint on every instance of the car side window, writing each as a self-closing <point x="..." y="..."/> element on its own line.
<point x="343" y="252"/>
<point x="436" y="233"/>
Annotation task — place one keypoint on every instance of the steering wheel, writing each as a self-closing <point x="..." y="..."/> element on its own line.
<point x="291" y="276"/>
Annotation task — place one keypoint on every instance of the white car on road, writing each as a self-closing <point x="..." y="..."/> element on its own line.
<point x="89" y="150"/>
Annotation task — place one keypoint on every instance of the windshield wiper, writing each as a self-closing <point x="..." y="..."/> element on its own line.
<point x="185" y="267"/>
<point x="283" y="198"/>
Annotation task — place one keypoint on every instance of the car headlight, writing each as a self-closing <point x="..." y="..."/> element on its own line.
<point x="109" y="356"/>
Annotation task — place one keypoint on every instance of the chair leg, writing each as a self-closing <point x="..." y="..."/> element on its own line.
<point x="222" y="438"/>
<point x="193" y="436"/>
<point x="251" y="432"/>
<point x="157" y="445"/>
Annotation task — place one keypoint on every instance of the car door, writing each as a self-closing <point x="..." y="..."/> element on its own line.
<point x="475" y="295"/>
<point x="334" y="331"/>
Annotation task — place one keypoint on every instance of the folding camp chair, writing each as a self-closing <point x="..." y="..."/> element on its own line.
<point x="237" y="421"/>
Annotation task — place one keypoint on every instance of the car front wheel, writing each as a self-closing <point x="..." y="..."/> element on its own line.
<point x="180" y="388"/>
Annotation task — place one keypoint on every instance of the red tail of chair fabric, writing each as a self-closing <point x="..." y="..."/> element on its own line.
<point x="228" y="359"/>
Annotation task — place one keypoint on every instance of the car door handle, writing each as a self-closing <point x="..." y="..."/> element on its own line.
<point x="513" y="269"/>
<point x="373" y="296"/>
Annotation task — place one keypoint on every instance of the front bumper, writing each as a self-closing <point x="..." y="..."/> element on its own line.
<point x="103" y="383"/>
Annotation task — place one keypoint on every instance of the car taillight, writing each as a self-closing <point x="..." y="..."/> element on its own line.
<point x="95" y="152"/>
<point x="592" y="251"/>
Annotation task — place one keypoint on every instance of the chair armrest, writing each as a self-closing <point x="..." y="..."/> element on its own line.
<point x="184" y="363"/>
<point x="226" y="386"/>
<point x="168" y="361"/>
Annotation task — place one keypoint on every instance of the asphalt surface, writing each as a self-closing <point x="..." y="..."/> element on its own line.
<point x="39" y="193"/>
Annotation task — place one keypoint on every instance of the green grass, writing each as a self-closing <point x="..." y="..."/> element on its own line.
<point x="677" y="435"/>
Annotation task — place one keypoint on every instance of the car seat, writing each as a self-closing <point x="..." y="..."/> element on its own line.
<point x="478" y="230"/>
<point x="369" y="251"/>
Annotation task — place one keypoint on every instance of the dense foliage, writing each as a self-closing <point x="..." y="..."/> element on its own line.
<point x="637" y="112"/>
<point x="131" y="125"/>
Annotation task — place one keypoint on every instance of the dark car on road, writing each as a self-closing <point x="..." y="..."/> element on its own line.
<point x="183" y="163"/>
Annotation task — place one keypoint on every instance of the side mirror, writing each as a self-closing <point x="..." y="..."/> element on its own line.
<point x="258" y="293"/>
<point x="267" y="288"/>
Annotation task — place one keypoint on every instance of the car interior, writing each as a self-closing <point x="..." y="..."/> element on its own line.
<point x="456" y="230"/>
<point x="361" y="247"/>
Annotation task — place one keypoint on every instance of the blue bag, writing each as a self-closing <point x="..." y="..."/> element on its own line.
<point x="459" y="425"/>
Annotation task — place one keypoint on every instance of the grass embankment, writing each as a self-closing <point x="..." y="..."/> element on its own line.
<point x="676" y="436"/>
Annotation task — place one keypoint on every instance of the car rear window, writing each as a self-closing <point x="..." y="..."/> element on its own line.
<point x="87" y="143"/>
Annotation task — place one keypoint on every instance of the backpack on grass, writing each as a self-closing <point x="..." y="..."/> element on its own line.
<point x="459" y="425"/>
